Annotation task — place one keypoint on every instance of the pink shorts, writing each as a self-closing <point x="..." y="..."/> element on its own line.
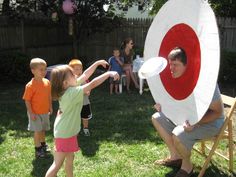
<point x="66" y="144"/>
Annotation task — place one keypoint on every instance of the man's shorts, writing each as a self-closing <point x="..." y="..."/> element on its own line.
<point x="41" y="123"/>
<point x="86" y="112"/>
<point x="188" y="139"/>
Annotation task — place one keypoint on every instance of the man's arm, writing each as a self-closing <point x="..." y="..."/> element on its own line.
<point x="214" y="112"/>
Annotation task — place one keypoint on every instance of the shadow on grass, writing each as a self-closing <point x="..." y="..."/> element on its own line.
<point x="2" y="132"/>
<point x="172" y="173"/>
<point x="88" y="145"/>
<point x="123" y="119"/>
<point x="14" y="119"/>
<point x="211" y="171"/>
<point x="41" y="165"/>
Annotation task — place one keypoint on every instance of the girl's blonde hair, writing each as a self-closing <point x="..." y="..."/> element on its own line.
<point x="74" y="62"/>
<point x="58" y="75"/>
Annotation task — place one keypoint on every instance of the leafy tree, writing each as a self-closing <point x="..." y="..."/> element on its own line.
<point x="88" y="17"/>
<point x="222" y="8"/>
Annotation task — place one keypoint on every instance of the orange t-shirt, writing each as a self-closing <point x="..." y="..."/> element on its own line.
<point x="38" y="93"/>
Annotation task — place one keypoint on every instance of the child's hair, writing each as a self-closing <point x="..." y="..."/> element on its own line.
<point x="74" y="62"/>
<point x="36" y="62"/>
<point x="115" y="49"/>
<point x="58" y="75"/>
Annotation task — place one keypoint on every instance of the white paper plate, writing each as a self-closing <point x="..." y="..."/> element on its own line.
<point x="152" y="67"/>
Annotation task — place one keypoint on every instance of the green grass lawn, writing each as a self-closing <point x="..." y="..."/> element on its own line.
<point x="123" y="141"/>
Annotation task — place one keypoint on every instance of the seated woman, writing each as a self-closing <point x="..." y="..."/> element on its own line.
<point x="127" y="54"/>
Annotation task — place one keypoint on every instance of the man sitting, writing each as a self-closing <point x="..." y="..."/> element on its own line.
<point x="181" y="138"/>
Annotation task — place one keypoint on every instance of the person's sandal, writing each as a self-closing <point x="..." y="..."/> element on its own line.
<point x="169" y="162"/>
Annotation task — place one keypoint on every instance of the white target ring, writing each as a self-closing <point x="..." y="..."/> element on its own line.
<point x="192" y="26"/>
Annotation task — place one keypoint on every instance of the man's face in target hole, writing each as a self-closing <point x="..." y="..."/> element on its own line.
<point x="177" y="68"/>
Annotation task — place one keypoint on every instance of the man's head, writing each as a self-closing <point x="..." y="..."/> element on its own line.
<point x="38" y="67"/>
<point x="178" y="61"/>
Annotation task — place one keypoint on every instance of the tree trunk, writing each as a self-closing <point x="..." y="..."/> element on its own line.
<point x="5" y="7"/>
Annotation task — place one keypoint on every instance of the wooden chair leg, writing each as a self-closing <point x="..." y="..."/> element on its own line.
<point x="231" y="144"/>
<point x="208" y="159"/>
<point x="203" y="148"/>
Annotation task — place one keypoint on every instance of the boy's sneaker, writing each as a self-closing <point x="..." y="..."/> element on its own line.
<point x="86" y="132"/>
<point x="39" y="153"/>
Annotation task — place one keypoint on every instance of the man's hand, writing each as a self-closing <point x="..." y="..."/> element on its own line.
<point x="157" y="106"/>
<point x="187" y="127"/>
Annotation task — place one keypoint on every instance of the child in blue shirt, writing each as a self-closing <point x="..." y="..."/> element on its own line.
<point x="115" y="64"/>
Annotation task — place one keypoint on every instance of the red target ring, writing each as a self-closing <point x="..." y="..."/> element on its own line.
<point x="180" y="88"/>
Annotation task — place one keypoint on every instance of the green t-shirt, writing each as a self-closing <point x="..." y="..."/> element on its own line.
<point x="68" y="123"/>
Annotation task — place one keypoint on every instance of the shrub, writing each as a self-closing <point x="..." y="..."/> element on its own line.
<point x="14" y="67"/>
<point x="227" y="74"/>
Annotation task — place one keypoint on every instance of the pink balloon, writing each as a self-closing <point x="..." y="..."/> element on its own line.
<point x="68" y="7"/>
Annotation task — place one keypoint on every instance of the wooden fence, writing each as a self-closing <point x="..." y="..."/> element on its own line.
<point x="227" y="30"/>
<point x="45" y="39"/>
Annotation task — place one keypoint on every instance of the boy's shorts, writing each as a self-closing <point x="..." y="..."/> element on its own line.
<point x="66" y="144"/>
<point x="188" y="139"/>
<point x="86" y="112"/>
<point x="41" y="123"/>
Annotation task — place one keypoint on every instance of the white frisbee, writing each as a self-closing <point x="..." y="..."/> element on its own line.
<point x="152" y="67"/>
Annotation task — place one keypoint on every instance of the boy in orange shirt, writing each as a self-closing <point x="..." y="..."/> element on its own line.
<point x="38" y="102"/>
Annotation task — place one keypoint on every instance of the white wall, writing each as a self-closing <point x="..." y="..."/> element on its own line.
<point x="133" y="12"/>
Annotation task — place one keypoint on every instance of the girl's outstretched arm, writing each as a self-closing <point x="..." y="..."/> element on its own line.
<point x="90" y="70"/>
<point x="99" y="80"/>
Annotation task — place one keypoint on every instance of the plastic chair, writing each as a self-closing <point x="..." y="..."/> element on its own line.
<point x="226" y="132"/>
<point x="122" y="82"/>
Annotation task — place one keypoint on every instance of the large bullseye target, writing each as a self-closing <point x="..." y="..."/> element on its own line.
<point x="192" y="26"/>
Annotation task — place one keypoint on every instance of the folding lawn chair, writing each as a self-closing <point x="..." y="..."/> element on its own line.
<point x="226" y="132"/>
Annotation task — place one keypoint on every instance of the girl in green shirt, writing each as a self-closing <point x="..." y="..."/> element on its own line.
<point x="67" y="90"/>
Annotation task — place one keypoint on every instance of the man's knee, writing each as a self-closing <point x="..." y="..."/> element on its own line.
<point x="156" y="124"/>
<point x="176" y="140"/>
<point x="154" y="121"/>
